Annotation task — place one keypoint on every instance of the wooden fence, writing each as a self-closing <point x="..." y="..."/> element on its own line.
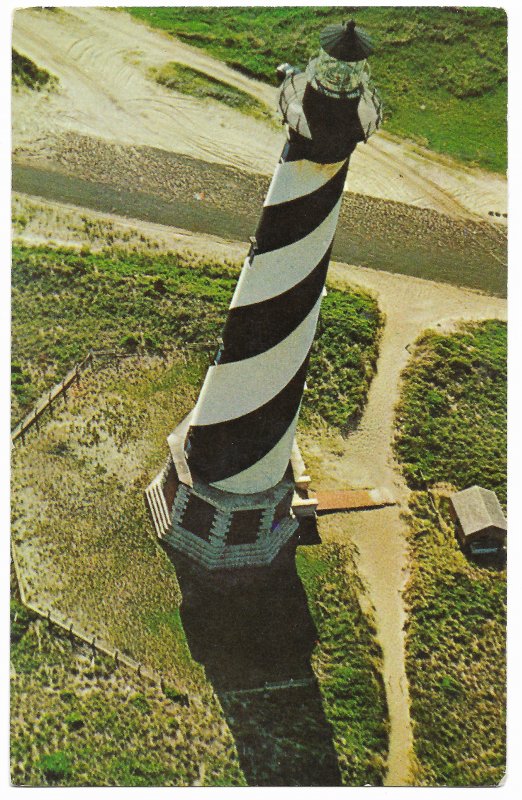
<point x="96" y="643"/>
<point x="73" y="377"/>
<point x="47" y="400"/>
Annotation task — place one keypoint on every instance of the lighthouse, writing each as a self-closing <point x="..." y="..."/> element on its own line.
<point x="226" y="496"/>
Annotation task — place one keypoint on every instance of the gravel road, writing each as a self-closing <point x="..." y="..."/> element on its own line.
<point x="187" y="192"/>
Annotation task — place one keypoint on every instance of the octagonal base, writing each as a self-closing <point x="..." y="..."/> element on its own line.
<point x="217" y="529"/>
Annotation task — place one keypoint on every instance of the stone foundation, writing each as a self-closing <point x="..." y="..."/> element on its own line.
<point x="217" y="529"/>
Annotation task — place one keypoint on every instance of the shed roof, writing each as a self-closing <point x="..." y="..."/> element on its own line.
<point x="478" y="508"/>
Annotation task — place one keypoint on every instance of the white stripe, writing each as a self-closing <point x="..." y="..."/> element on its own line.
<point x="233" y="390"/>
<point x="293" y="179"/>
<point x="266" y="472"/>
<point x="273" y="273"/>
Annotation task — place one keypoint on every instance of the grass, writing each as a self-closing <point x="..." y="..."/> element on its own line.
<point x="455" y="656"/>
<point x="442" y="72"/>
<point x="65" y="302"/>
<point x="347" y="662"/>
<point x="344" y="358"/>
<point x="451" y="420"/>
<point x="26" y="73"/>
<point x="452" y="430"/>
<point x="78" y="720"/>
<point x="191" y="81"/>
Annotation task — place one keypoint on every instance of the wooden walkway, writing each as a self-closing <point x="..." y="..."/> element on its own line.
<point x="330" y="501"/>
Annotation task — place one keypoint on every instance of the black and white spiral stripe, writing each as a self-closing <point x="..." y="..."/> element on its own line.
<point x="244" y="422"/>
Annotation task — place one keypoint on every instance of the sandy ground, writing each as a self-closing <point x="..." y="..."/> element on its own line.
<point x="365" y="458"/>
<point x="411" y="305"/>
<point x="101" y="57"/>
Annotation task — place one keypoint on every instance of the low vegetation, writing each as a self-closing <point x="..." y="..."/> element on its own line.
<point x="191" y="81"/>
<point x="347" y="662"/>
<point x="456" y="656"/>
<point x="65" y="302"/>
<point x="442" y="72"/>
<point x="451" y="420"/>
<point x="452" y="430"/>
<point x="83" y="477"/>
<point x="26" y="73"/>
<point x="343" y="360"/>
<point x="78" y="719"/>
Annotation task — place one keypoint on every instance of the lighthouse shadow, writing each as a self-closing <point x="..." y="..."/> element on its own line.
<point x="254" y="635"/>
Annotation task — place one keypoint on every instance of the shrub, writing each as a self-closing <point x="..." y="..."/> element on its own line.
<point x="129" y="343"/>
<point x="140" y="702"/>
<point x="26" y="73"/>
<point x="55" y="766"/>
<point x="75" y="720"/>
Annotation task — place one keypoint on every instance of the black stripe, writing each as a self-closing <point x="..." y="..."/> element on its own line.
<point x="285" y="223"/>
<point x="334" y="126"/>
<point x="221" y="450"/>
<point x="252" y="329"/>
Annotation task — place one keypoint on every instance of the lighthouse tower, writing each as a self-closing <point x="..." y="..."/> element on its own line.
<point x="225" y="496"/>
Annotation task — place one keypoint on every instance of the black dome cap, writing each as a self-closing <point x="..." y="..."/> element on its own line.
<point x="346" y="42"/>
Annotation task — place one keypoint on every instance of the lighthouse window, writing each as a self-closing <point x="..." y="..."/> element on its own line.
<point x="282" y="511"/>
<point x="244" y="527"/>
<point x="198" y="517"/>
<point x="337" y="77"/>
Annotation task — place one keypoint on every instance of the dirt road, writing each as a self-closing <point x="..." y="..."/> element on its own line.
<point x="171" y="188"/>
<point x="101" y="58"/>
<point x="366" y="459"/>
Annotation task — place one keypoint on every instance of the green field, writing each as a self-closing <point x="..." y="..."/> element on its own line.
<point x="83" y="476"/>
<point x="442" y="72"/>
<point x="65" y="302"/>
<point x="452" y="430"/>
<point x="452" y="415"/>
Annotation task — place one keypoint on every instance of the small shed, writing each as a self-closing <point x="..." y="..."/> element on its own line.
<point x="479" y="520"/>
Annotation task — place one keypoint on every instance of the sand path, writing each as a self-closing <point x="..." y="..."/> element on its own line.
<point x="365" y="458"/>
<point x="411" y="305"/>
<point x="101" y="57"/>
